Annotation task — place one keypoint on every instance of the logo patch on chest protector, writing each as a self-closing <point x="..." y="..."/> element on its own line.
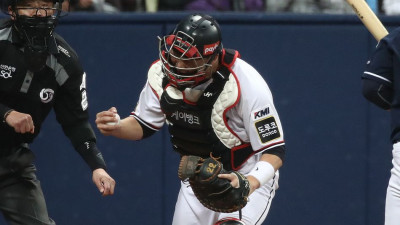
<point x="185" y="117"/>
<point x="46" y="95"/>
<point x="267" y="129"/>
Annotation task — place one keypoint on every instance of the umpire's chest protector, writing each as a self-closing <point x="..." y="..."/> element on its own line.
<point x="200" y="127"/>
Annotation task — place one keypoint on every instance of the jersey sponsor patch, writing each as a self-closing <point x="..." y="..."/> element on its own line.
<point x="46" y="95"/>
<point x="267" y="129"/>
<point x="185" y="117"/>
<point x="6" y="71"/>
<point x="261" y="113"/>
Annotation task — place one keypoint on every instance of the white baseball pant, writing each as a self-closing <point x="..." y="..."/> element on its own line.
<point x="189" y="210"/>
<point x="392" y="208"/>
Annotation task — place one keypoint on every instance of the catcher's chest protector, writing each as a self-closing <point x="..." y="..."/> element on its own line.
<point x="198" y="128"/>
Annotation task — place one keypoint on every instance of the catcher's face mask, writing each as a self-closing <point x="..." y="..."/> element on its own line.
<point x="182" y="62"/>
<point x="188" y="54"/>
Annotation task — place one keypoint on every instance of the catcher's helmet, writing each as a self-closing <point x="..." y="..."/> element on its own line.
<point x="196" y="40"/>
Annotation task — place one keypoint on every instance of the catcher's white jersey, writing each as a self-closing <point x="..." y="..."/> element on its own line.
<point x="253" y="119"/>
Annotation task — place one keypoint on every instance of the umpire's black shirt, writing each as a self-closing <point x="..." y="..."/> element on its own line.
<point x="60" y="85"/>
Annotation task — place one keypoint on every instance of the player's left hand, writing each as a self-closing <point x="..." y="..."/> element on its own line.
<point x="104" y="182"/>
<point x="232" y="177"/>
<point x="254" y="183"/>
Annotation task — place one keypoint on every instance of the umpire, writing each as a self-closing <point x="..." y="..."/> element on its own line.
<point x="39" y="72"/>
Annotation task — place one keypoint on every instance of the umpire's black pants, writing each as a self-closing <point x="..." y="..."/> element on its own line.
<point x="21" y="197"/>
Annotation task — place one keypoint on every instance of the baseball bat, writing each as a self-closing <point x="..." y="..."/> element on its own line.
<point x="368" y="18"/>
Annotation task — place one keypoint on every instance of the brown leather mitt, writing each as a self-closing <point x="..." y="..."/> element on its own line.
<point x="214" y="193"/>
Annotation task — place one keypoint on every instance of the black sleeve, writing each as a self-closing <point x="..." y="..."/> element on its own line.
<point x="84" y="141"/>
<point x="379" y="67"/>
<point x="279" y="151"/>
<point x="71" y="108"/>
<point x="148" y="130"/>
<point x="79" y="133"/>
<point x="91" y="154"/>
<point x="71" y="103"/>
<point x="378" y="93"/>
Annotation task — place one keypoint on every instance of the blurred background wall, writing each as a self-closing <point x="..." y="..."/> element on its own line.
<point x="338" y="151"/>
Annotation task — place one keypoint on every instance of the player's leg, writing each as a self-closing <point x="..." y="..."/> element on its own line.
<point x="189" y="210"/>
<point x="392" y="208"/>
<point x="22" y="201"/>
<point x="256" y="210"/>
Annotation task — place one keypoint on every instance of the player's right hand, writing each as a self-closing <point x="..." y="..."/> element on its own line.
<point x="104" y="182"/>
<point x="21" y="122"/>
<point x="107" y="121"/>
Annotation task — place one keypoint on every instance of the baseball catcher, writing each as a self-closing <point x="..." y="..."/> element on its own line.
<point x="222" y="122"/>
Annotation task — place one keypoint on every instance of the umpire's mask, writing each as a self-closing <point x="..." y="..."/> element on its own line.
<point x="35" y="21"/>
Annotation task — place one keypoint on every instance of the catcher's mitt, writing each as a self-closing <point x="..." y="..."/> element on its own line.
<point x="214" y="193"/>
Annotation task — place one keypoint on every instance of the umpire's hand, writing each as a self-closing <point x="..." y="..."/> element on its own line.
<point x="103" y="181"/>
<point x="21" y="122"/>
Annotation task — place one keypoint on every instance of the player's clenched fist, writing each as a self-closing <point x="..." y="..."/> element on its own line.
<point x="21" y="122"/>
<point x="108" y="121"/>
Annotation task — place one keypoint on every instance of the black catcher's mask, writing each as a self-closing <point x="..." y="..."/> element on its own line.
<point x="36" y="30"/>
<point x="196" y="40"/>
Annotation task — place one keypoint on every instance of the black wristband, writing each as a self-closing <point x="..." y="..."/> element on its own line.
<point x="6" y="114"/>
<point x="91" y="154"/>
